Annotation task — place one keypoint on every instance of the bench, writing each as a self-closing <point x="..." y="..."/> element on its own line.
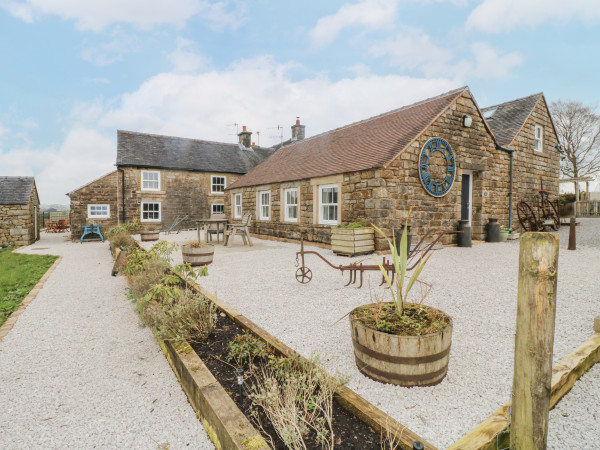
<point x="91" y="229"/>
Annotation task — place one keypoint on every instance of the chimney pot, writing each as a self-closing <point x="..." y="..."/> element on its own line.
<point x="244" y="128"/>
<point x="298" y="130"/>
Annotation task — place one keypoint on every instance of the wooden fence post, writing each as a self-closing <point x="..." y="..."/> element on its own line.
<point x="534" y="340"/>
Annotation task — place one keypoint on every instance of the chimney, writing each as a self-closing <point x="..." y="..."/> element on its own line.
<point x="245" y="137"/>
<point x="298" y="130"/>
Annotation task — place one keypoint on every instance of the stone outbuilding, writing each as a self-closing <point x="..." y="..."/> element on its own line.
<point x="439" y="155"/>
<point x="19" y="208"/>
<point x="163" y="179"/>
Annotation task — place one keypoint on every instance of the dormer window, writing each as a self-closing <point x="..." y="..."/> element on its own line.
<point x="539" y="138"/>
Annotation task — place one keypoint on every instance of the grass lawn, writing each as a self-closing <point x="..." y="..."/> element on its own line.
<point x="18" y="275"/>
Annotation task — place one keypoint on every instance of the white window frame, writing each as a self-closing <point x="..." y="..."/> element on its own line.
<point x="105" y="215"/>
<point x="212" y="208"/>
<point x="264" y="207"/>
<point x="150" y="220"/>
<point x="212" y="184"/>
<point x="237" y="206"/>
<point x="287" y="205"/>
<point x="323" y="221"/>
<point x="539" y="141"/>
<point x="144" y="172"/>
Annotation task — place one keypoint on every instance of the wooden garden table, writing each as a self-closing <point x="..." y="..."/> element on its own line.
<point x="204" y="224"/>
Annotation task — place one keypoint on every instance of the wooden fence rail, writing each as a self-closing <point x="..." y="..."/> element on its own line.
<point x="588" y="208"/>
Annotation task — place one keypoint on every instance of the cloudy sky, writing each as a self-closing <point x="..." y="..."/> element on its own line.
<point x="75" y="71"/>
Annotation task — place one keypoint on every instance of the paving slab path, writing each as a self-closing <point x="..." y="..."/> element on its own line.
<point x="77" y="370"/>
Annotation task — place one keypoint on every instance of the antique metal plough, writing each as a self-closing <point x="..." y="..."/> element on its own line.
<point x="304" y="274"/>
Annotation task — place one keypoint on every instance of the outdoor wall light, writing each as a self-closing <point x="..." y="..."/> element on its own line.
<point x="467" y="121"/>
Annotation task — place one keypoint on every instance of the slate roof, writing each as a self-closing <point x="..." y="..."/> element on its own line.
<point x="359" y="146"/>
<point x="15" y="190"/>
<point x="507" y="119"/>
<point x="168" y="152"/>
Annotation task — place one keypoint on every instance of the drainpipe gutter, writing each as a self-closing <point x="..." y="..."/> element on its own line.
<point x="122" y="194"/>
<point x="510" y="189"/>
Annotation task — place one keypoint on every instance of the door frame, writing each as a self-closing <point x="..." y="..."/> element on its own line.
<point x="470" y="174"/>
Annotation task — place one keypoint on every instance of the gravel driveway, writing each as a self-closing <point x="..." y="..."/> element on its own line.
<point x="78" y="372"/>
<point x="477" y="286"/>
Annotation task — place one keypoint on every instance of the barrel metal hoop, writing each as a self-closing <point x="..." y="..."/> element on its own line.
<point x="411" y="360"/>
<point x="371" y="371"/>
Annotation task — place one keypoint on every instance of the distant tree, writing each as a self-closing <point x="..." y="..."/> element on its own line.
<point x="578" y="128"/>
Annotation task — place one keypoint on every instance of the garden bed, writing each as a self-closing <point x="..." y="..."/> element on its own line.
<point x="350" y="432"/>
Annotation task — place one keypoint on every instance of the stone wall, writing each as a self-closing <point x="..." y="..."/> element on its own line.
<point x="18" y="223"/>
<point x="384" y="196"/>
<point x="100" y="192"/>
<point x="181" y="193"/>
<point x="529" y="166"/>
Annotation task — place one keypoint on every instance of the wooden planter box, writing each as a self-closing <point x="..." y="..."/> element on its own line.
<point x="352" y="241"/>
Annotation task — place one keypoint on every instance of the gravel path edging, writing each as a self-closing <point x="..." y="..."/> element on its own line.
<point x="12" y="320"/>
<point x="225" y="424"/>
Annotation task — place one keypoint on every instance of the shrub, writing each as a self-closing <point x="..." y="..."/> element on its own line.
<point x="190" y="317"/>
<point x="360" y="224"/>
<point x="121" y="239"/>
<point x="142" y="281"/>
<point x="130" y="228"/>
<point x="298" y="399"/>
<point x="245" y="349"/>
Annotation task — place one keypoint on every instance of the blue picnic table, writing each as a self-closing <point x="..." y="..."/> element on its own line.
<point x="91" y="229"/>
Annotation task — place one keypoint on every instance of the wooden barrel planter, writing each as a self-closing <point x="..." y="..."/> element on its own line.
<point x="401" y="360"/>
<point x="198" y="256"/>
<point x="149" y="235"/>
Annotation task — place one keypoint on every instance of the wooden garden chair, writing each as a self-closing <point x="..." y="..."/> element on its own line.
<point x="62" y="225"/>
<point x="213" y="228"/>
<point x="50" y="226"/>
<point x="241" y="228"/>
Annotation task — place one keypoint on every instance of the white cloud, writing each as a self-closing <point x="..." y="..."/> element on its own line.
<point x="185" y="58"/>
<point x="495" y="16"/>
<point x="413" y="49"/>
<point x="95" y="15"/>
<point x="111" y="51"/>
<point x="84" y="155"/>
<point x="489" y="63"/>
<point x="372" y="14"/>
<point x="261" y="94"/>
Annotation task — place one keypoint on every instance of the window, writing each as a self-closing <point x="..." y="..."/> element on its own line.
<point x="98" y="211"/>
<point x="328" y="204"/>
<point x="237" y="203"/>
<point x="539" y="138"/>
<point x="218" y="208"/>
<point x="217" y="184"/>
<point x="150" y="180"/>
<point x="291" y="205"/>
<point x="264" y="204"/>
<point x="150" y="212"/>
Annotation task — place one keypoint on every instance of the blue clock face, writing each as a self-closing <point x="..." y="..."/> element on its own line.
<point x="437" y="167"/>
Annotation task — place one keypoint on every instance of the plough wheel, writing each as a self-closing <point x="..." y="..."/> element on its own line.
<point x="526" y="217"/>
<point x="303" y="275"/>
<point x="551" y="213"/>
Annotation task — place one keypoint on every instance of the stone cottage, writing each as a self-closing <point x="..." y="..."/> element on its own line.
<point x="439" y="155"/>
<point x="160" y="179"/>
<point x="526" y="127"/>
<point x="19" y="207"/>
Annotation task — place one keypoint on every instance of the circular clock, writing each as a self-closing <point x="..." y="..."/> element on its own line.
<point x="437" y="167"/>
